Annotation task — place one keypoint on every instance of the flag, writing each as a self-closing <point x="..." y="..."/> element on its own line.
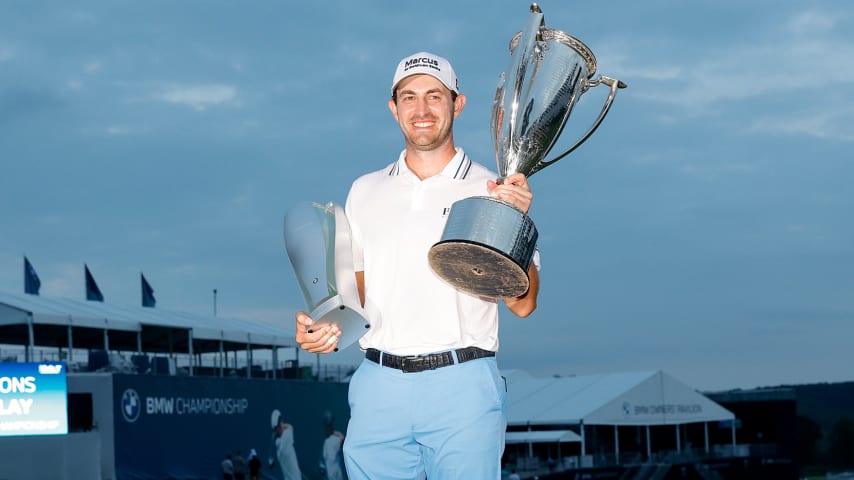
<point x="92" y="290"/>
<point x="147" y="293"/>
<point x="32" y="284"/>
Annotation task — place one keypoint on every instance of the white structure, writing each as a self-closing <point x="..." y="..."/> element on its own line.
<point x="42" y="321"/>
<point x="641" y="399"/>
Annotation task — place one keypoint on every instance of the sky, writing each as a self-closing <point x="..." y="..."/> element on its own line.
<point x="704" y="230"/>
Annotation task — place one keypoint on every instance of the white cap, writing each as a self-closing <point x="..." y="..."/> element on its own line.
<point x="428" y="64"/>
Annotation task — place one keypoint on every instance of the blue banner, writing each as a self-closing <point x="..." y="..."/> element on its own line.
<point x="32" y="284"/>
<point x="184" y="427"/>
<point x="92" y="291"/>
<point x="148" y="299"/>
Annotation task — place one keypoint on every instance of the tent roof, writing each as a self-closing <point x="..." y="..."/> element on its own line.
<point x="638" y="398"/>
<point x="542" y="436"/>
<point x="158" y="329"/>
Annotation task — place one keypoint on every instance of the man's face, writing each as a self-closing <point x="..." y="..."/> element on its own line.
<point x="425" y="111"/>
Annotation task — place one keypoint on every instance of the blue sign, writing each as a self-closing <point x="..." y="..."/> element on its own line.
<point x="184" y="427"/>
<point x="33" y="399"/>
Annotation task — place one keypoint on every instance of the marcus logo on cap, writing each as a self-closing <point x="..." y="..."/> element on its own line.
<point x="427" y="64"/>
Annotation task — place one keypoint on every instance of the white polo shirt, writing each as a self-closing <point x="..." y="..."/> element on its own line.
<point x="395" y="218"/>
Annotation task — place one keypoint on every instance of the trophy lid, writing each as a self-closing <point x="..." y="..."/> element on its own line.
<point x="550" y="34"/>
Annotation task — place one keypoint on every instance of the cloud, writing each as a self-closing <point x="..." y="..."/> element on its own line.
<point x="118" y="130"/>
<point x="361" y="54"/>
<point x="804" y="54"/>
<point x="810" y="22"/>
<point x="74" y="85"/>
<point x="824" y="125"/>
<point x="714" y="171"/>
<point x="199" y="97"/>
<point x="92" y="67"/>
<point x="6" y="53"/>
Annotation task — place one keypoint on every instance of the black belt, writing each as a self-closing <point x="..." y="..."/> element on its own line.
<point x="419" y="363"/>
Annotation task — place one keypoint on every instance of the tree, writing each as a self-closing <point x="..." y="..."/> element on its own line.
<point x="841" y="450"/>
<point x="809" y="434"/>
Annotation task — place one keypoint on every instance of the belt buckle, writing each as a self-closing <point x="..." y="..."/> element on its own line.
<point x="413" y="364"/>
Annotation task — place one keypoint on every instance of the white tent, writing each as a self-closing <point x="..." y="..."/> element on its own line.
<point x="36" y="320"/>
<point x="541" y="436"/>
<point x="21" y="309"/>
<point x="618" y="399"/>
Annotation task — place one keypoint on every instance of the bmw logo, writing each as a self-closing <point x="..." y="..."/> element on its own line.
<point x="627" y="409"/>
<point x="130" y="405"/>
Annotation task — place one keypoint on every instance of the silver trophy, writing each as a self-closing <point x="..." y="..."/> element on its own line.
<point x="487" y="245"/>
<point x="317" y="239"/>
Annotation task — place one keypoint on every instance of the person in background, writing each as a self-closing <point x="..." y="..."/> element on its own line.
<point x="254" y="465"/>
<point x="282" y="448"/>
<point x="227" y="468"/>
<point x="428" y="399"/>
<point x="332" y="454"/>
<point x="239" y="464"/>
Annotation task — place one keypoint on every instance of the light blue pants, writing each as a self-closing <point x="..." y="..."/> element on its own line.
<point x="447" y="423"/>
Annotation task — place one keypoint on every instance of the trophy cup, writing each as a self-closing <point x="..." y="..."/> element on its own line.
<point x="317" y="239"/>
<point x="487" y="244"/>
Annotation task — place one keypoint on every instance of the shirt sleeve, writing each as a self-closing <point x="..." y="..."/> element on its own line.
<point x="536" y="258"/>
<point x="355" y="234"/>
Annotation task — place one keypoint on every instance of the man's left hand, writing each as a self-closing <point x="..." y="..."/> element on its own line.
<point x="514" y="190"/>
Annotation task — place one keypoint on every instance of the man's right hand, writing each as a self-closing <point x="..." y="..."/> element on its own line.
<point x="316" y="338"/>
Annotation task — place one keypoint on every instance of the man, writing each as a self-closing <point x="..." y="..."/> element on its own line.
<point x="282" y="448"/>
<point x="428" y="399"/>
<point x="254" y="465"/>
<point x="239" y="464"/>
<point x="227" y="468"/>
<point x="331" y="453"/>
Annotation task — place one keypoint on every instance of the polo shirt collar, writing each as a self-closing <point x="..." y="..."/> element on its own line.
<point x="458" y="168"/>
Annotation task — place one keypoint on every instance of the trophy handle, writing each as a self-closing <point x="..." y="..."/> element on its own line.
<point x="614" y="84"/>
